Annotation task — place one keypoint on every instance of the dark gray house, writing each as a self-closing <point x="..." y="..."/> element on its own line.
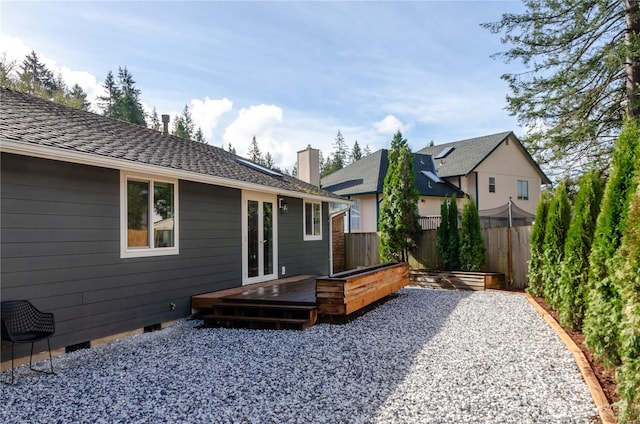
<point x="363" y="183"/>
<point x="113" y="227"/>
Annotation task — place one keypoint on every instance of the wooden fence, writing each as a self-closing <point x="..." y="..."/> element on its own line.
<point x="362" y="249"/>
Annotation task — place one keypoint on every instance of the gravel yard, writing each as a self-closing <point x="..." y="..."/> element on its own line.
<point x="425" y="356"/>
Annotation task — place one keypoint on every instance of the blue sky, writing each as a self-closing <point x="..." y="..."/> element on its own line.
<point x="290" y="73"/>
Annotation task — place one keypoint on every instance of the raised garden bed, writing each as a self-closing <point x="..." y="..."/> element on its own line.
<point x="458" y="280"/>
<point x="346" y="292"/>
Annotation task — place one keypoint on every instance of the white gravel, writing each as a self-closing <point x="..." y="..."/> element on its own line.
<point x="425" y="356"/>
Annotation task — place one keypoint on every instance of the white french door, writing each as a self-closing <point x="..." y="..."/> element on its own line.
<point x="259" y="238"/>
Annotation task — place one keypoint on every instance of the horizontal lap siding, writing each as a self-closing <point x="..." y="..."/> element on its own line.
<point x="297" y="255"/>
<point x="61" y="249"/>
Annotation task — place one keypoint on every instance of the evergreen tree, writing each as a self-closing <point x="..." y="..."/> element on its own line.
<point x="199" y="136"/>
<point x="583" y="69"/>
<point x="109" y="103"/>
<point x="399" y="222"/>
<point x="356" y="152"/>
<point x="183" y="125"/>
<point x="573" y="284"/>
<point x="604" y="310"/>
<point x="268" y="161"/>
<point x="231" y="149"/>
<point x="627" y="278"/>
<point x="7" y="72"/>
<point x="366" y="151"/>
<point x="78" y="98"/>
<point x="130" y="109"/>
<point x="448" y="236"/>
<point x="536" y="284"/>
<point x="471" y="242"/>
<point x="154" y="122"/>
<point x="255" y="155"/>
<point x="555" y="234"/>
<point x="340" y="153"/>
<point x="35" y="78"/>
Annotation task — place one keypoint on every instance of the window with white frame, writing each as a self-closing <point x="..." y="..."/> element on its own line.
<point x="523" y="190"/>
<point x="492" y="184"/>
<point x="312" y="220"/>
<point x="355" y="214"/>
<point x="148" y="216"/>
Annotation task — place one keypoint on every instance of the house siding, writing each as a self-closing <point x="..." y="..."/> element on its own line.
<point x="61" y="250"/>
<point x="295" y="254"/>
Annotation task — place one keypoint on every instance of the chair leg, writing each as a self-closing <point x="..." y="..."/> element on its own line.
<point x="50" y="360"/>
<point x="6" y="382"/>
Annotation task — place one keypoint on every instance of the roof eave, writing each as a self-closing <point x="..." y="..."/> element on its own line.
<point x="54" y="153"/>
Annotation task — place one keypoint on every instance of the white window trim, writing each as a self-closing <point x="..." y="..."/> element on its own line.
<point x="125" y="251"/>
<point x="307" y="237"/>
<point x="520" y="196"/>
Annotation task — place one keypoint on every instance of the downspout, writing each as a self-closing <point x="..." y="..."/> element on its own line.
<point x="377" y="212"/>
<point x="477" y="192"/>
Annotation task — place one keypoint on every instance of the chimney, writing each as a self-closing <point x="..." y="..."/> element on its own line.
<point x="309" y="166"/>
<point x="165" y="124"/>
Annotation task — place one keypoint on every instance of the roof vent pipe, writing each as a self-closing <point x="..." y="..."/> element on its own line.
<point x="165" y="124"/>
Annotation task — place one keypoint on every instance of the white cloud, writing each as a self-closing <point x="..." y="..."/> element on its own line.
<point x="206" y="114"/>
<point x="258" y="121"/>
<point x="389" y="125"/>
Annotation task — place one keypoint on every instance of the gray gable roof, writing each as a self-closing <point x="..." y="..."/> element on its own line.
<point x="466" y="155"/>
<point x="41" y="123"/>
<point x="366" y="176"/>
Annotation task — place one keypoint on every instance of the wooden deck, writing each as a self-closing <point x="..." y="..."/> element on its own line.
<point x="288" y="303"/>
<point x="295" y="302"/>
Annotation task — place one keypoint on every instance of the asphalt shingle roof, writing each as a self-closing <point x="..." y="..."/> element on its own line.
<point x="28" y="119"/>
<point x="367" y="176"/>
<point x="468" y="154"/>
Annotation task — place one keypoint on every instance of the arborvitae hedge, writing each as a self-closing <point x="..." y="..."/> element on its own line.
<point x="471" y="242"/>
<point x="627" y="279"/>
<point x="604" y="310"/>
<point x="536" y="284"/>
<point x="555" y="233"/>
<point x="448" y="237"/>
<point x="573" y="284"/>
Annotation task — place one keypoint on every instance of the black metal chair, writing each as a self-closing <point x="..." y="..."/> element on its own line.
<point x="24" y="323"/>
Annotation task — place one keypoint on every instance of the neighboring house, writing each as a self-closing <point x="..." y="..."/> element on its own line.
<point x="363" y="181"/>
<point x="113" y="227"/>
<point x="491" y="169"/>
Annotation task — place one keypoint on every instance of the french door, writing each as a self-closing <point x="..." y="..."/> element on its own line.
<point x="259" y="238"/>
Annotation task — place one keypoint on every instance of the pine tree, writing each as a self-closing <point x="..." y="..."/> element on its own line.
<point x="199" y="136"/>
<point x="154" y="121"/>
<point x="555" y="234"/>
<point x="356" y="152"/>
<point x="399" y="224"/>
<point x="627" y="278"/>
<point x="583" y="69"/>
<point x="268" y="161"/>
<point x="109" y="103"/>
<point x="573" y="284"/>
<point x="604" y="310"/>
<point x="340" y="153"/>
<point x="78" y="98"/>
<point x="130" y="109"/>
<point x="183" y="125"/>
<point x="536" y="242"/>
<point x="231" y="149"/>
<point x="366" y="151"/>
<point x="255" y="155"/>
<point x="8" y="78"/>
<point x="471" y="242"/>
<point x="35" y="78"/>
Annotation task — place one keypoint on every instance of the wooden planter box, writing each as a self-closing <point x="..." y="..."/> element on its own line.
<point x="346" y="292"/>
<point x="458" y="280"/>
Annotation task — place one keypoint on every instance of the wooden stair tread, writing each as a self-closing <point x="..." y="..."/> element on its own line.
<point x="254" y="318"/>
<point x="260" y="305"/>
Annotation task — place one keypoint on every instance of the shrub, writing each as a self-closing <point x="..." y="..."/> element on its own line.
<point x="604" y="309"/>
<point x="627" y="279"/>
<point x="536" y="285"/>
<point x="555" y="233"/>
<point x="471" y="243"/>
<point x="448" y="237"/>
<point x="574" y="276"/>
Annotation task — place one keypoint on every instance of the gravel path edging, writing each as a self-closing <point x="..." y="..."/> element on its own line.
<point x="599" y="399"/>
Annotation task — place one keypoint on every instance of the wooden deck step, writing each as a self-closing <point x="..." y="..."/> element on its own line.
<point x="260" y="315"/>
